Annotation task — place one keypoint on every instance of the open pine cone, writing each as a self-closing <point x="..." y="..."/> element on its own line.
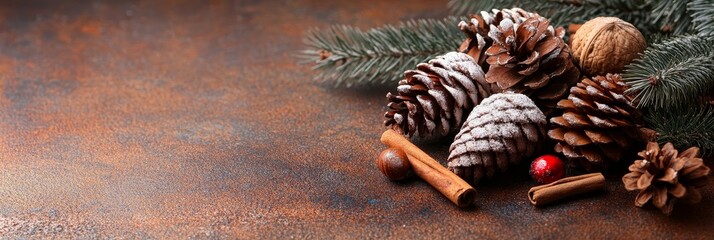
<point x="499" y="132"/>
<point x="531" y="58"/>
<point x="436" y="98"/>
<point x="599" y="125"/>
<point x="478" y="26"/>
<point x="663" y="175"/>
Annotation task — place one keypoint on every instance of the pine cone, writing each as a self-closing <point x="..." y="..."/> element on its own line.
<point x="502" y="130"/>
<point x="477" y="28"/>
<point x="436" y="98"/>
<point x="599" y="125"/>
<point x="531" y="58"/>
<point x="663" y="176"/>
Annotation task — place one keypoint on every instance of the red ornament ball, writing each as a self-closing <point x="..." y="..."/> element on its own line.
<point x="547" y="169"/>
<point x="394" y="164"/>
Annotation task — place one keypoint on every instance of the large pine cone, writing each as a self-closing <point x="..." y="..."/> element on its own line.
<point x="599" y="125"/>
<point x="663" y="175"/>
<point x="531" y="58"/>
<point x="478" y="26"/>
<point x="435" y="99"/>
<point x="502" y="130"/>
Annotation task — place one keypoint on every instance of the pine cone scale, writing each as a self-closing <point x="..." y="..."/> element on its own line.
<point x="538" y="81"/>
<point x="659" y="199"/>
<point x="551" y="93"/>
<point x="644" y="197"/>
<point x="576" y="120"/>
<point x="592" y="154"/>
<point x="678" y="191"/>
<point x="576" y="139"/>
<point x="560" y="121"/>
<point x="548" y="47"/>
<point x="512" y="78"/>
<point x="598" y="137"/>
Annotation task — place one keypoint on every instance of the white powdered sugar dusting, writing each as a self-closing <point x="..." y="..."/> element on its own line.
<point x="620" y="97"/>
<point x="430" y="124"/>
<point x="488" y="18"/>
<point x="423" y="79"/>
<point x="439" y="98"/>
<point x="495" y="34"/>
<point x="508" y="130"/>
<point x="533" y="115"/>
<point x="463" y="25"/>
<point x="427" y="106"/>
<point x="467" y="83"/>
<point x="506" y="23"/>
<point x="605" y="108"/>
<point x="398" y="118"/>
<point x="481" y="41"/>
<point x="592" y="90"/>
<point x="578" y="102"/>
<point x="496" y="145"/>
<point x="403" y="88"/>
<point x="601" y="122"/>
<point x="471" y="145"/>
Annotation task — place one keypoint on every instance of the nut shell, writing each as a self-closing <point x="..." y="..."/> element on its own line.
<point x="605" y="45"/>
<point x="394" y="164"/>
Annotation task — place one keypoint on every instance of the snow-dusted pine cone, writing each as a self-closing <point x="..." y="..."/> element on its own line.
<point x="434" y="99"/>
<point x="501" y="131"/>
<point x="599" y="124"/>
<point x="531" y="58"/>
<point x="478" y="26"/>
<point x="663" y="175"/>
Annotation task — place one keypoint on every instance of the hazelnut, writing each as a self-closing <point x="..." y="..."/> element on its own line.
<point x="394" y="164"/>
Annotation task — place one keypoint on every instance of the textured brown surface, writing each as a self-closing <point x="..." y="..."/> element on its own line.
<point x="191" y="119"/>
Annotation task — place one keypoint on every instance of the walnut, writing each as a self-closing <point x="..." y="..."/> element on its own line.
<point x="605" y="45"/>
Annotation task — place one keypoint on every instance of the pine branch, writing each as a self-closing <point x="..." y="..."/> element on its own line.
<point x="350" y="56"/>
<point x="672" y="16"/>
<point x="702" y="13"/>
<point x="672" y="73"/>
<point x="562" y="12"/>
<point x="684" y="127"/>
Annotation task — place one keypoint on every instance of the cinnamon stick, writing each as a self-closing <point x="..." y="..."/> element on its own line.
<point x="566" y="187"/>
<point x="443" y="180"/>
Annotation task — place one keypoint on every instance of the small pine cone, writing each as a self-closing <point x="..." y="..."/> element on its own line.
<point x="477" y="28"/>
<point x="502" y="130"/>
<point x="435" y="99"/>
<point x="663" y="175"/>
<point x="599" y="125"/>
<point x="531" y="58"/>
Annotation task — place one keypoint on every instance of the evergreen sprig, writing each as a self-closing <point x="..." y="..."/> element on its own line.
<point x="349" y="56"/>
<point x="672" y="73"/>
<point x="672" y="16"/>
<point x="684" y="127"/>
<point x="702" y="13"/>
<point x="563" y="12"/>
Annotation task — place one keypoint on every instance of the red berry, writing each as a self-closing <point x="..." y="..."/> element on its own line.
<point x="547" y="169"/>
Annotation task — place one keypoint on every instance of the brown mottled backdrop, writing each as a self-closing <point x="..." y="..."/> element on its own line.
<point x="175" y="119"/>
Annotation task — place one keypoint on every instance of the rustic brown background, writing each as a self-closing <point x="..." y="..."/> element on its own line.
<point x="171" y="119"/>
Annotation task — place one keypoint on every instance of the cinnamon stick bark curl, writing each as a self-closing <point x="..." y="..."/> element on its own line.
<point x="445" y="181"/>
